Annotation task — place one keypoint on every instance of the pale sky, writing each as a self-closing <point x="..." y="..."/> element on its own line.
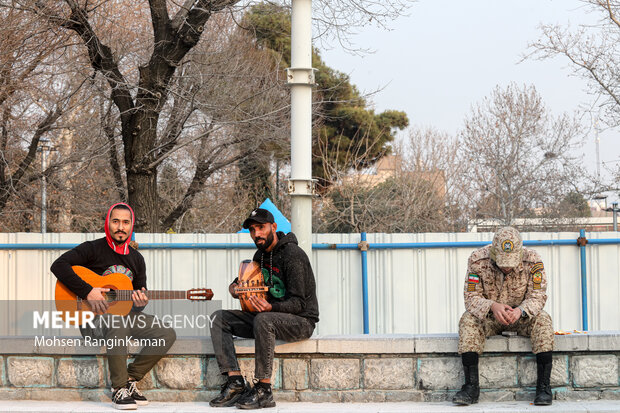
<point x="448" y="54"/>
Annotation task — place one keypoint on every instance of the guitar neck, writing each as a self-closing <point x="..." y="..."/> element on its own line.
<point x="125" y="295"/>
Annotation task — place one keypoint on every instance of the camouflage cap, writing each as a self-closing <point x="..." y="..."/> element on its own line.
<point x="507" y="248"/>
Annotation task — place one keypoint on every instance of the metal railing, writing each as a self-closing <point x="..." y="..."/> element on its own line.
<point x="364" y="247"/>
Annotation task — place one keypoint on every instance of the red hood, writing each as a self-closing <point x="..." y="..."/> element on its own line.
<point x="123" y="248"/>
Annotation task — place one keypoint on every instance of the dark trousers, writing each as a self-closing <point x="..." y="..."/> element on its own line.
<point x="148" y="356"/>
<point x="264" y="328"/>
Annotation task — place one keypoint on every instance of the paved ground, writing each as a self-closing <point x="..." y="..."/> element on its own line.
<point x="601" y="406"/>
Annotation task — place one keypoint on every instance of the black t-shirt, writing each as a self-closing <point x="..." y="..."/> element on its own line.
<point x="98" y="257"/>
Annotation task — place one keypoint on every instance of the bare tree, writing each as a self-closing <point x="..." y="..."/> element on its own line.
<point x="517" y="158"/>
<point x="163" y="106"/>
<point x="158" y="78"/>
<point x="242" y="99"/>
<point x="340" y="19"/>
<point x="139" y="103"/>
<point x="592" y="51"/>
<point x="411" y="190"/>
<point x="35" y="100"/>
<point x="434" y="156"/>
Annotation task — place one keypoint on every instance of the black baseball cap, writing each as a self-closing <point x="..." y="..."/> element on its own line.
<point x="260" y="215"/>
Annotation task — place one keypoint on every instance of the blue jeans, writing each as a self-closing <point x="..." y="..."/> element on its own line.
<point x="264" y="328"/>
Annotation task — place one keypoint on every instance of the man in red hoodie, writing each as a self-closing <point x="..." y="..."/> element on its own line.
<point x="113" y="254"/>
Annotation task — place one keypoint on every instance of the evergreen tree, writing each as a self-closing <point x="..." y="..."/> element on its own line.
<point x="347" y="133"/>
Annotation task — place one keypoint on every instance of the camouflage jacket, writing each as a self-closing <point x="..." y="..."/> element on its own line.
<point x="525" y="286"/>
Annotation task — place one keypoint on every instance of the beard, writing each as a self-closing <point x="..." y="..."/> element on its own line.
<point x="119" y="234"/>
<point x="267" y="242"/>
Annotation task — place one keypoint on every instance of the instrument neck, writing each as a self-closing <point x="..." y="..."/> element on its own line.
<point x="125" y="295"/>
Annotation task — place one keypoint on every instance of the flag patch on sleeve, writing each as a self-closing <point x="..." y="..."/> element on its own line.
<point x="473" y="278"/>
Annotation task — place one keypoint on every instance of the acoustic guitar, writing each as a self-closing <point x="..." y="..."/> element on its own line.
<point x="119" y="296"/>
<point x="251" y="283"/>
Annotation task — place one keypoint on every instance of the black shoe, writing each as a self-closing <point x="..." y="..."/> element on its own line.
<point x="122" y="399"/>
<point x="470" y="391"/>
<point x="257" y="398"/>
<point x="544" y="397"/>
<point x="136" y="394"/>
<point x="231" y="391"/>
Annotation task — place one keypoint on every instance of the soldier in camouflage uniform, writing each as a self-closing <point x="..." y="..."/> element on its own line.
<point x="505" y="290"/>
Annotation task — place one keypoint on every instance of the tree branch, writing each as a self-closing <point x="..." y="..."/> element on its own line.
<point x="611" y="14"/>
<point x="113" y="157"/>
<point x="101" y="59"/>
<point x="10" y="80"/>
<point x="181" y="15"/>
<point x="181" y="111"/>
<point x="42" y="128"/>
<point x="14" y="182"/>
<point x="159" y="18"/>
<point x="204" y="169"/>
<point x="4" y="139"/>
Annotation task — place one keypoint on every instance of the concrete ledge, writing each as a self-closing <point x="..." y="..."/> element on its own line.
<point x="352" y="344"/>
<point x="366" y="344"/>
<point x="358" y="368"/>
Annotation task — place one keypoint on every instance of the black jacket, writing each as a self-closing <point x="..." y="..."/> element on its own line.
<point x="287" y="270"/>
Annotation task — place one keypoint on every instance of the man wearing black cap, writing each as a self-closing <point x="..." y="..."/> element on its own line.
<point x="289" y="313"/>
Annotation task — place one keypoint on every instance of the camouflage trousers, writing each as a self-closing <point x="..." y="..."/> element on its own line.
<point x="474" y="331"/>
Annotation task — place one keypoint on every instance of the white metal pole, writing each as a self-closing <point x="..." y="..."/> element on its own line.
<point x="301" y="78"/>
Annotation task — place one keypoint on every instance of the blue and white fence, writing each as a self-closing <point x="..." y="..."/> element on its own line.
<point x="393" y="283"/>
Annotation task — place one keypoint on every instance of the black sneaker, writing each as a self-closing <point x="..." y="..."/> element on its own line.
<point x="122" y="400"/>
<point x="231" y="391"/>
<point x="136" y="394"/>
<point x="257" y="398"/>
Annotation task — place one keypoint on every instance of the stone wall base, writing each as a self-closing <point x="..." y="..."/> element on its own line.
<point x="327" y="369"/>
<point x="311" y="396"/>
<point x="320" y="378"/>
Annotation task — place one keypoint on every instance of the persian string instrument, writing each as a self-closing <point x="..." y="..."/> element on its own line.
<point x="251" y="283"/>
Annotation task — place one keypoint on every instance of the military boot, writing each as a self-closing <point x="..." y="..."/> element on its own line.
<point x="544" y="397"/>
<point x="471" y="389"/>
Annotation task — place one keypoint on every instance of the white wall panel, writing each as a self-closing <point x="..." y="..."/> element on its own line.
<point x="410" y="290"/>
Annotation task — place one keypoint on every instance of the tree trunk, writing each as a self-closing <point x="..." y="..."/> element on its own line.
<point x="141" y="177"/>
<point x="143" y="198"/>
<point x="173" y="39"/>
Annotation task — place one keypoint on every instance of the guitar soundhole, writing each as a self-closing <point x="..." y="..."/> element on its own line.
<point x="110" y="296"/>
